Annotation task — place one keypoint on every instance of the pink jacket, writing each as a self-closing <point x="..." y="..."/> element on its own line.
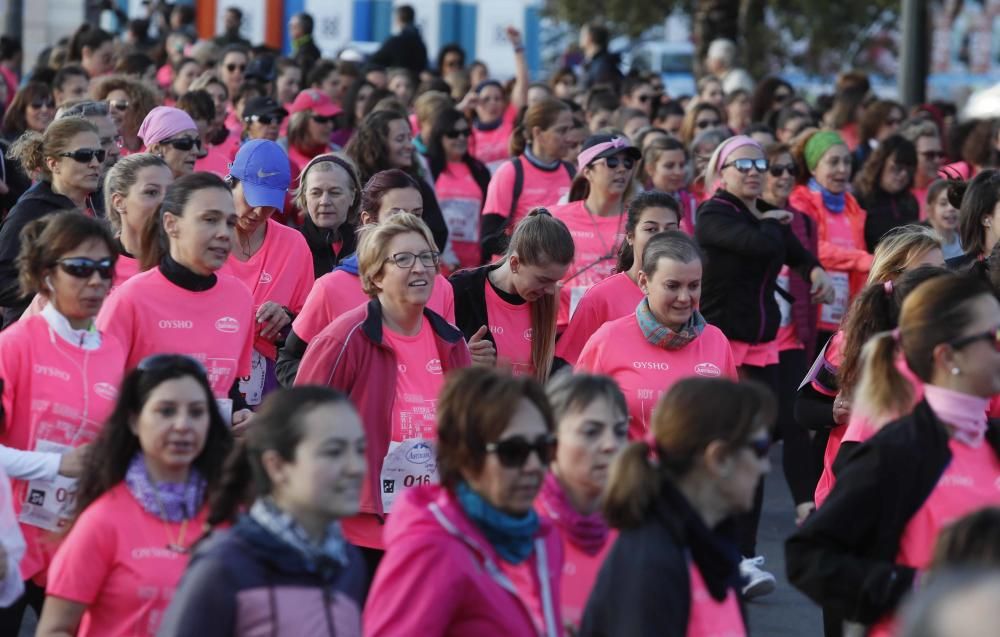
<point x="441" y="577"/>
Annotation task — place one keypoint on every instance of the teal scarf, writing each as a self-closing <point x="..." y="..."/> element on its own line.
<point x="662" y="336"/>
<point x="512" y="537"/>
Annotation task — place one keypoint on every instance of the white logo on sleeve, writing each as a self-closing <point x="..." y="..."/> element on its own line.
<point x="227" y="325"/>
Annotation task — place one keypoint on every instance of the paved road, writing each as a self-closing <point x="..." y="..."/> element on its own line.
<point x="785" y="612"/>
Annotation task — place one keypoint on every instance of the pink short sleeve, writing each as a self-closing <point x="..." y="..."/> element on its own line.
<point x="500" y="192"/>
<point x="85" y="557"/>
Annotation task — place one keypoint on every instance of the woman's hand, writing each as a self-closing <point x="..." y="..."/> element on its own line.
<point x="822" y="286"/>
<point x="515" y="37"/>
<point x="483" y="352"/>
<point x="272" y="318"/>
<point x="781" y="216"/>
<point x="469" y="102"/>
<point x="241" y="420"/>
<point x="841" y="409"/>
<point x="71" y="464"/>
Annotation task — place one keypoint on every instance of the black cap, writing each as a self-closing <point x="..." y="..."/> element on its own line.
<point x="263" y="105"/>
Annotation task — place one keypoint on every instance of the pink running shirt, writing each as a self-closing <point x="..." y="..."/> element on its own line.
<point x="510" y="325"/>
<point x="708" y="617"/>
<point x="461" y="202"/>
<point x="610" y="299"/>
<point x="492" y="147"/>
<point x="543" y="188"/>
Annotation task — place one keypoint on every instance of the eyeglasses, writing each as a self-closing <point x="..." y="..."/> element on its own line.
<point x="266" y="120"/>
<point x="119" y="105"/>
<point x="760" y="446"/>
<point x="455" y="134"/>
<point x="513" y="452"/>
<point x="155" y="362"/>
<point x="746" y="165"/>
<point x="406" y="260"/>
<point x="42" y="103"/>
<point x="993" y="336"/>
<point x="706" y="123"/>
<point x="183" y="143"/>
<point x="613" y="162"/>
<point x="932" y="155"/>
<point x="323" y="119"/>
<point x="86" y="155"/>
<point x="778" y="169"/>
<point x="84" y="268"/>
<point x="232" y="67"/>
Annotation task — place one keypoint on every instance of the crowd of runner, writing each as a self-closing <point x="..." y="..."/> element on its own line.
<point x="300" y="346"/>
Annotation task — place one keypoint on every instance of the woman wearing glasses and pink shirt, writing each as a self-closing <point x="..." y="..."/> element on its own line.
<point x="390" y="357"/>
<point x="471" y="556"/>
<point x="58" y="383"/>
<point x="171" y="134"/>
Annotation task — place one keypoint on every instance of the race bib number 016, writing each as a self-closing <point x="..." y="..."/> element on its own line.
<point x="408" y="464"/>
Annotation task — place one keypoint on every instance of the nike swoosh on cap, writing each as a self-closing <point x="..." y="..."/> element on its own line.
<point x="263" y="175"/>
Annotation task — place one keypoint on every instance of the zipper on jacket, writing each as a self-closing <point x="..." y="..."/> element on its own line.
<point x="326" y="611"/>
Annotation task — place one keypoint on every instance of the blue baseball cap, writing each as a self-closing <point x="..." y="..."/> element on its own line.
<point x="262" y="167"/>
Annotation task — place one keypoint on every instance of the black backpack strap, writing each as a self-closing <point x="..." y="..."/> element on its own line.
<point x="518" y="187"/>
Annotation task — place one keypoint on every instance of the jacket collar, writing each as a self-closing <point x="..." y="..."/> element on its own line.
<point x="372" y="325"/>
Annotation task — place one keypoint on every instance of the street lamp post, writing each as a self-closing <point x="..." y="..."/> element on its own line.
<point x="913" y="64"/>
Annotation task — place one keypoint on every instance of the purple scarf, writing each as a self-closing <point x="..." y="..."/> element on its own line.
<point x="179" y="501"/>
<point x="587" y="532"/>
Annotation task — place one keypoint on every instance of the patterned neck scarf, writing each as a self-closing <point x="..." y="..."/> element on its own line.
<point x="283" y="526"/>
<point x="167" y="501"/>
<point x="662" y="336"/>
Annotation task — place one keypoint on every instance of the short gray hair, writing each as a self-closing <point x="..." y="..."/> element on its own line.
<point x="722" y="49"/>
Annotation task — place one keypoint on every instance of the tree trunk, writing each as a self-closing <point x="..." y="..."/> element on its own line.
<point x="713" y="19"/>
<point x="755" y="51"/>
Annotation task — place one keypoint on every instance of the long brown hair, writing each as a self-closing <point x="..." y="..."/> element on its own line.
<point x="694" y="413"/>
<point x="541" y="239"/>
<point x="542" y="114"/>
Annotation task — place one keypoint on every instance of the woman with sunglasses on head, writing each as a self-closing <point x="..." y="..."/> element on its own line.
<point x="699" y="118"/>
<point x="665" y="337"/>
<point x="129" y="101"/>
<point x="31" y="109"/>
<point x="171" y="134"/>
<point x="824" y="164"/>
<point x="884" y="188"/>
<point x="596" y="215"/>
<point x="591" y="428"/>
<point x="397" y="339"/>
<point x="668" y="493"/>
<point x="496" y="440"/>
<point x="460" y="183"/>
<point x="329" y="194"/>
<point x="67" y="160"/>
<point x="978" y="216"/>
<point x="270" y="258"/>
<point x="388" y="193"/>
<point x="142" y="503"/>
<point x="58" y="380"/>
<point x="857" y="556"/>
<point x="649" y="213"/>
<point x="179" y="304"/>
<point x="536" y="176"/>
<point x="507" y="310"/>
<point x="304" y="459"/>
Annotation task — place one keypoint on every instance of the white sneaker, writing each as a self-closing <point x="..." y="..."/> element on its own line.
<point x="756" y="581"/>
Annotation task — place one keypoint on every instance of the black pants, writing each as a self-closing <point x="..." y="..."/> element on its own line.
<point x="796" y="453"/>
<point x="11" y="617"/>
<point x="747" y="523"/>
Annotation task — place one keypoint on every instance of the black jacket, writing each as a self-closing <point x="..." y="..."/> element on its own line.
<point x="603" y="69"/>
<point x="844" y="555"/>
<point x="321" y="241"/>
<point x="643" y="588"/>
<point x="885" y="212"/>
<point x="13" y="176"/>
<point x="36" y="203"/>
<point x="470" y="299"/>
<point x="405" y="49"/>
<point x="306" y="55"/>
<point x="743" y="256"/>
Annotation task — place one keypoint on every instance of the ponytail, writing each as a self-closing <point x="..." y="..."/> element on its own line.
<point x="884" y="394"/>
<point x="518" y="142"/>
<point x="541" y="115"/>
<point x="579" y="189"/>
<point x="27" y="150"/>
<point x="633" y="486"/>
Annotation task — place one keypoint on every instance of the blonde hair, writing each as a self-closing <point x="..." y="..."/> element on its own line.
<point x="898" y="249"/>
<point x="122" y="177"/>
<point x="32" y="149"/>
<point x="373" y="245"/>
<point x="429" y="104"/>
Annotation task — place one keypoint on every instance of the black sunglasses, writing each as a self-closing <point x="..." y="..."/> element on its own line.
<point x="42" y="103"/>
<point x="759" y="446"/>
<point x="992" y="336"/>
<point x="266" y="120"/>
<point x="776" y="170"/>
<point x="706" y="123"/>
<point x="232" y="67"/>
<point x="644" y="98"/>
<point x="323" y="119"/>
<point x="84" y="268"/>
<point x="455" y="134"/>
<point x="183" y="143"/>
<point x="746" y="165"/>
<point x="86" y="155"/>
<point x="613" y="162"/>
<point x="513" y="452"/>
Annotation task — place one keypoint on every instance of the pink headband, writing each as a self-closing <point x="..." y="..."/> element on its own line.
<point x="587" y="155"/>
<point x="727" y="148"/>
<point x="163" y="122"/>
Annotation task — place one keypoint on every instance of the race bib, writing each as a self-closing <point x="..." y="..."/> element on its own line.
<point x="48" y="504"/>
<point x="408" y="464"/>
<point x="832" y="313"/>
<point x="462" y="218"/>
<point x="783" y="305"/>
<point x="252" y="386"/>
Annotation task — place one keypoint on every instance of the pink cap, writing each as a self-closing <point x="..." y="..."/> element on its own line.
<point x="164" y="122"/>
<point x="316" y="101"/>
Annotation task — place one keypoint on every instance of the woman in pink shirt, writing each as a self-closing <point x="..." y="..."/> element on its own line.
<point x="386" y="194"/>
<point x="309" y="129"/>
<point x="59" y="377"/>
<point x="591" y="427"/>
<point x="596" y="215"/>
<point x="171" y="134"/>
<point x="181" y="305"/>
<point x="504" y="561"/>
<point x="270" y="259"/>
<point x="649" y="213"/>
<point x="664" y="338"/>
<point x="220" y="140"/>
<point x="495" y="112"/>
<point x="141" y="505"/>
<point x="396" y="339"/>
<point x="866" y="547"/>
<point x="507" y="310"/>
<point x="665" y="163"/>
<point x="698" y="466"/>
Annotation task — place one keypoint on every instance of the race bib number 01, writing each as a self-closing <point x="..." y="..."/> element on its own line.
<point x="252" y="386"/>
<point x="462" y="218"/>
<point x="408" y="464"/>
<point x="48" y="504"/>
<point x="832" y="313"/>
